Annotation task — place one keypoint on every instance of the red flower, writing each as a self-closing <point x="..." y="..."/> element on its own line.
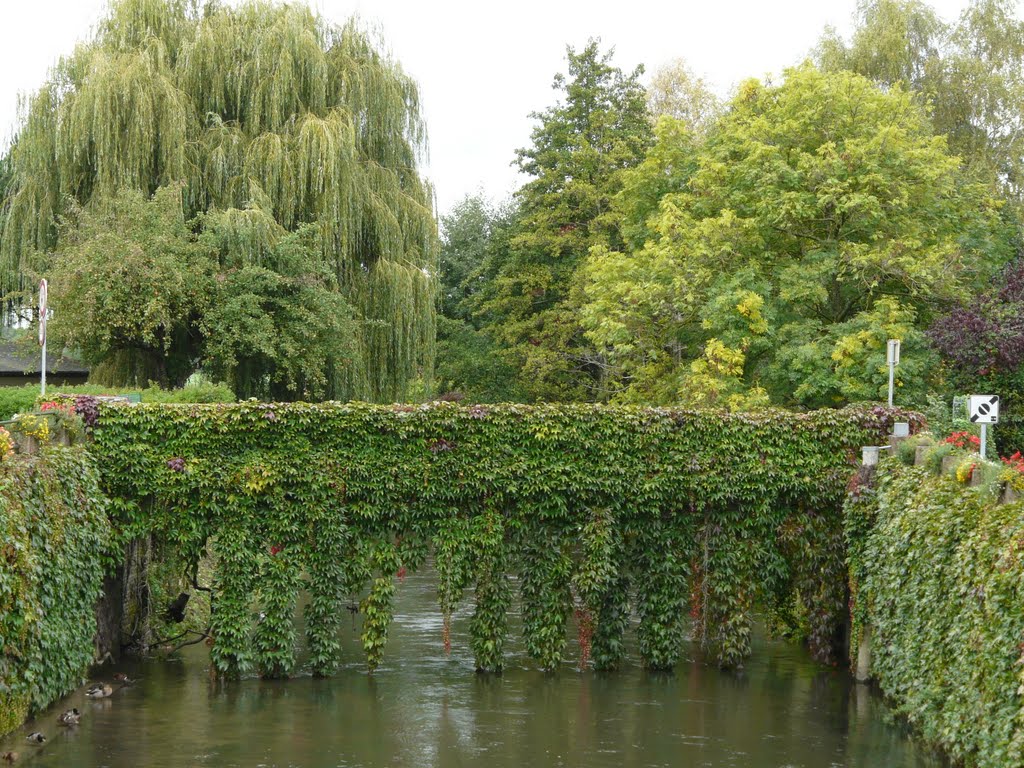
<point x="1016" y="461"/>
<point x="275" y="548"/>
<point x="51" y="405"/>
<point x="964" y="440"/>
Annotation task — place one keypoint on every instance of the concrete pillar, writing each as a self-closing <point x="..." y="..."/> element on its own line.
<point x="919" y="454"/>
<point x="1009" y="495"/>
<point x="869" y="455"/>
<point x="863" y="672"/>
<point x="109" y="616"/>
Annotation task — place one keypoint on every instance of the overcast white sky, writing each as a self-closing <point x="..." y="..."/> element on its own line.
<point x="484" y="65"/>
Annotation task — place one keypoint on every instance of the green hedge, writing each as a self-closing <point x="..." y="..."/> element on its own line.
<point x="53" y="531"/>
<point x="23" y="399"/>
<point x="938" y="572"/>
<point x="598" y="510"/>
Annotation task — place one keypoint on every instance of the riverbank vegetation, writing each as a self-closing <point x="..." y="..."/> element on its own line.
<point x="54" y="531"/>
<point x="936" y="567"/>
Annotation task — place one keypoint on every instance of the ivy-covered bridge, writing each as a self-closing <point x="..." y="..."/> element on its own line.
<point x="592" y="512"/>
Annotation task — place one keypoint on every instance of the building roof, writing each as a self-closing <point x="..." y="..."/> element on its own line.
<point x="18" y="359"/>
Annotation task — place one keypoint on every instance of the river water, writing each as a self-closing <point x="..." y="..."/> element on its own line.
<point x="423" y="708"/>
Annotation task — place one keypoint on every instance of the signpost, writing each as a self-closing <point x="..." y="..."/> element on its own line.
<point x="893" y="358"/>
<point x="983" y="410"/>
<point x="42" y="335"/>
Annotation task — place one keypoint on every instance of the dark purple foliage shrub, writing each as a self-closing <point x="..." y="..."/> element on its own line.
<point x="87" y="408"/>
<point x="986" y="337"/>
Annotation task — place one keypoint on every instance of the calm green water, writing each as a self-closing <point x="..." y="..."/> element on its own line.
<point x="425" y="709"/>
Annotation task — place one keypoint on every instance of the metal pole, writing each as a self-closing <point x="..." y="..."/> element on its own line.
<point x="42" y="335"/>
<point x="984" y="436"/>
<point x="892" y="374"/>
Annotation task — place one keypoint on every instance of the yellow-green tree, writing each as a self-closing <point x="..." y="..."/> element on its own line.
<point x="820" y="217"/>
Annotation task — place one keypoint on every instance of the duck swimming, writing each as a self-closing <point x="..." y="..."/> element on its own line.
<point x="122" y="678"/>
<point x="70" y="717"/>
<point x="36" y="737"/>
<point x="9" y="757"/>
<point x="99" y="691"/>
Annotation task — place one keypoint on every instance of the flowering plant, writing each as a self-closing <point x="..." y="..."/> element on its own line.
<point x="1016" y="462"/>
<point x="964" y="440"/>
<point x="32" y="425"/>
<point x="1013" y="475"/>
<point x="6" y="444"/>
<point x="65" y="416"/>
<point x="965" y="471"/>
<point x="60" y="408"/>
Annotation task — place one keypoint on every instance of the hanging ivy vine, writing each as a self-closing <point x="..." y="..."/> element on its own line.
<point x="598" y="513"/>
<point x="489" y="625"/>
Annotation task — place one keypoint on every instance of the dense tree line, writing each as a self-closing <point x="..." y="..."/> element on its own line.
<point x="761" y="250"/>
<point x="235" y="190"/>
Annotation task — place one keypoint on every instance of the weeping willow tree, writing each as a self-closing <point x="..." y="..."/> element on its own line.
<point x="273" y="121"/>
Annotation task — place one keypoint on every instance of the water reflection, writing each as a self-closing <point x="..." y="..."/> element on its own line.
<point x="425" y="709"/>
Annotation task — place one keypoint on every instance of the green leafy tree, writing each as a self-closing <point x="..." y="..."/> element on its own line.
<point x="129" y="285"/>
<point x="578" y="151"/>
<point x="146" y="296"/>
<point x="821" y="217"/>
<point x="474" y="243"/>
<point x="277" y="328"/>
<point x="261" y="105"/>
<point x="971" y="73"/>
